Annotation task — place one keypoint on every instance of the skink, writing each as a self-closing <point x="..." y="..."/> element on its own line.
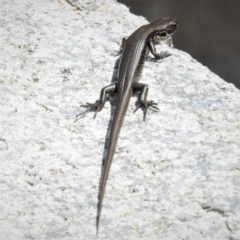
<point x="136" y="47"/>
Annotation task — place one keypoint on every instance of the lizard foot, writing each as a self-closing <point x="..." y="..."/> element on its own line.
<point x="91" y="107"/>
<point x="162" y="55"/>
<point x="145" y="105"/>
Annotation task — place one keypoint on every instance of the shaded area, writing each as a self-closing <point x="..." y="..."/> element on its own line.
<point x="209" y="31"/>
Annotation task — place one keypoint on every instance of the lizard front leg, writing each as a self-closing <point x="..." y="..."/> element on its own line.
<point x="99" y="104"/>
<point x="161" y="55"/>
<point x="143" y="89"/>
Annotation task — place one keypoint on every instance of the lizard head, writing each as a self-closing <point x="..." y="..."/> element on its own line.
<point x="163" y="28"/>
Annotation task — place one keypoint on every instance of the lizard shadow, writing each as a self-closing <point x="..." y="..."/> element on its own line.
<point x="112" y="100"/>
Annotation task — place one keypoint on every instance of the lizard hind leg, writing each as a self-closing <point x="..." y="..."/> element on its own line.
<point x="143" y="102"/>
<point x="91" y="107"/>
<point x="99" y="104"/>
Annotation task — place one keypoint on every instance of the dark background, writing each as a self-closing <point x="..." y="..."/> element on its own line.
<point x="209" y="30"/>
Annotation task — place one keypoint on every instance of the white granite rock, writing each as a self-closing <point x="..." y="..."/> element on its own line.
<point x="175" y="176"/>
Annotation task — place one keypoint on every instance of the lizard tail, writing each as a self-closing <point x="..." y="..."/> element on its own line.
<point x="114" y="133"/>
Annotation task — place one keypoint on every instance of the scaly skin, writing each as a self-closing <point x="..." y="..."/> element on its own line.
<point x="136" y="48"/>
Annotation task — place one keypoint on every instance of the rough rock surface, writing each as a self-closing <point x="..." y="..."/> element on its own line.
<point x="175" y="176"/>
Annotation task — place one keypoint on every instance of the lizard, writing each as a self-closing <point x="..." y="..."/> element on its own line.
<point x="135" y="50"/>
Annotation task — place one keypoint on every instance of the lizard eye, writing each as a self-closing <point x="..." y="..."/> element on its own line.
<point x="173" y="24"/>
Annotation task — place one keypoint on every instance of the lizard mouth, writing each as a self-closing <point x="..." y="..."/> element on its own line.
<point x="163" y="34"/>
<point x="160" y="36"/>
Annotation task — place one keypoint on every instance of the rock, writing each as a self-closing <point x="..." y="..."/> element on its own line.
<point x="175" y="176"/>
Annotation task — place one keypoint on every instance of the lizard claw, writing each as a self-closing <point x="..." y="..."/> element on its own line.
<point x="91" y="107"/>
<point x="146" y="105"/>
<point x="153" y="106"/>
